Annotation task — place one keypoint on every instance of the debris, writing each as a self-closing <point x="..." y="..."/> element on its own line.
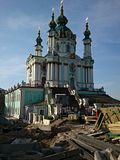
<point x="116" y="139"/>
<point x="107" y="154"/>
<point x="23" y="141"/>
<point x="4" y="121"/>
<point x="99" y="133"/>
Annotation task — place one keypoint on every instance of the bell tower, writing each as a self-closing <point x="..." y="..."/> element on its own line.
<point x="88" y="61"/>
<point x="87" y="41"/>
<point x="51" y="35"/>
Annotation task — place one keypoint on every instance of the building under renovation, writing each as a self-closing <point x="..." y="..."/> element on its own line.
<point x="58" y="82"/>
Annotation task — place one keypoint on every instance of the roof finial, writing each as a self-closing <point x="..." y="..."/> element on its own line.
<point x="61" y="7"/>
<point x="61" y="3"/>
<point x="39" y="34"/>
<point x="86" y="19"/>
<point x="52" y="11"/>
<point x="86" y="23"/>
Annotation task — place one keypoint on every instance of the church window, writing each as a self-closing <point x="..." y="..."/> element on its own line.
<point x="68" y="48"/>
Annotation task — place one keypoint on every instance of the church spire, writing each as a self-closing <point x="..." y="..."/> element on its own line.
<point x="52" y="23"/>
<point x="38" y="45"/>
<point x="87" y="41"/>
<point x="87" y="32"/>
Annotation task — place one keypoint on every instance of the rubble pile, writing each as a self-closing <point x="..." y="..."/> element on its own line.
<point x="19" y="140"/>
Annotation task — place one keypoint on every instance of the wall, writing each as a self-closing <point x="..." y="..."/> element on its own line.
<point x="12" y="103"/>
<point x="17" y="99"/>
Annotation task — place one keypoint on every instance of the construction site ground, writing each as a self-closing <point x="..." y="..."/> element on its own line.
<point x="20" y="140"/>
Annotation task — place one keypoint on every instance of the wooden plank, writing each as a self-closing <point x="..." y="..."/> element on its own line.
<point x="114" y="128"/>
<point x="61" y="155"/>
<point x="82" y="152"/>
<point x="96" y="134"/>
<point x="84" y="145"/>
<point x="98" y="144"/>
<point x="114" y="125"/>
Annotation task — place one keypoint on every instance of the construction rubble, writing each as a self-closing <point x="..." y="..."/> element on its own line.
<point x="91" y="139"/>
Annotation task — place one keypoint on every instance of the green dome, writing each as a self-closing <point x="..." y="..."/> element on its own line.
<point x="62" y="20"/>
<point x="52" y="24"/>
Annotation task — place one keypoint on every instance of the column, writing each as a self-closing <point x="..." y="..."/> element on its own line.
<point x="48" y="71"/>
<point x="51" y="71"/>
<point x="39" y="72"/>
<point x="35" y="68"/>
<point x="88" y="78"/>
<point x="60" y="79"/>
<point x="53" y="44"/>
<point x="91" y="75"/>
<point x="32" y="73"/>
<point x="65" y="72"/>
<point x="83" y="70"/>
<point x="56" y="72"/>
<point x="86" y="75"/>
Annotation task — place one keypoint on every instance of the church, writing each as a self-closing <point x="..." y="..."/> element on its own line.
<point x="61" y="65"/>
<point x="58" y="82"/>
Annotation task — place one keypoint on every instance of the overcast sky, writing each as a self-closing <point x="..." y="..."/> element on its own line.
<point x="19" y="23"/>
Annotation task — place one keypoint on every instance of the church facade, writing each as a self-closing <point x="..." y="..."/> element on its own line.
<point x="61" y="65"/>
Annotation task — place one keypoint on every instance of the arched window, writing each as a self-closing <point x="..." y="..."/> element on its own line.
<point x="68" y="48"/>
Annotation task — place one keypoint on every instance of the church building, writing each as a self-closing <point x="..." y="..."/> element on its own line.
<point x="60" y="81"/>
<point x="61" y="65"/>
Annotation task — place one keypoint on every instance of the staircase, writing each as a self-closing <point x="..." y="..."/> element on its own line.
<point x="74" y="100"/>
